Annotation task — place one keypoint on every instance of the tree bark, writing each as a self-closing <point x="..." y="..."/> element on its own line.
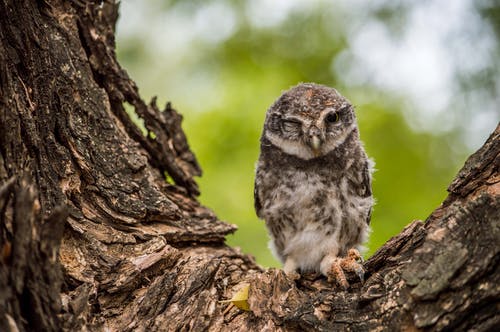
<point x="92" y="237"/>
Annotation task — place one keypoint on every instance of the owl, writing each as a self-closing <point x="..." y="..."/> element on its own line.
<point x="313" y="183"/>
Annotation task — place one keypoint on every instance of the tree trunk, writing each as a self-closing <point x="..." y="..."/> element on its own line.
<point x="93" y="238"/>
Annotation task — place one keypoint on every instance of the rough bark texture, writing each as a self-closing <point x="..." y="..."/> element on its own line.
<point x="93" y="237"/>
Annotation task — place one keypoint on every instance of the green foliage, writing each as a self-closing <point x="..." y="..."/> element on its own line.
<point x="224" y="89"/>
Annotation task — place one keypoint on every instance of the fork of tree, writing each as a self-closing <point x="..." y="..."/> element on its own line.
<point x="92" y="236"/>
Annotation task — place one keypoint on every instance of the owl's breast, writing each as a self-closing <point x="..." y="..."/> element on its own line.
<point x="310" y="214"/>
<point x="296" y="199"/>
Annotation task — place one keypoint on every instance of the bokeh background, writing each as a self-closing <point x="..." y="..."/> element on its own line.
<point x="423" y="76"/>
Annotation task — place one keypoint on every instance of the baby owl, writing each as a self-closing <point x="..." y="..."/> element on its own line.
<point x="313" y="183"/>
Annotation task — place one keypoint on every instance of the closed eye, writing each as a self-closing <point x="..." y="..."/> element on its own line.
<point x="291" y="125"/>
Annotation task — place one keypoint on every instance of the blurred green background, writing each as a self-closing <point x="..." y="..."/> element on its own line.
<point x="423" y="76"/>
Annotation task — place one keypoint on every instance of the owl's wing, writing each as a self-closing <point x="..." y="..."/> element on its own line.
<point x="256" y="201"/>
<point x="367" y="187"/>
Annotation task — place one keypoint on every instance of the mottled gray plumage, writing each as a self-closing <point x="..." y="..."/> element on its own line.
<point x="313" y="179"/>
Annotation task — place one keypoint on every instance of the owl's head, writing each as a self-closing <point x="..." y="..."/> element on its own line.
<point x="309" y="121"/>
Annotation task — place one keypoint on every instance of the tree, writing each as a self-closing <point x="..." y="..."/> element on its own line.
<point x="92" y="236"/>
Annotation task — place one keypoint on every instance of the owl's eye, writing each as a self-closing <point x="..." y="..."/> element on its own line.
<point x="332" y="117"/>
<point x="291" y="125"/>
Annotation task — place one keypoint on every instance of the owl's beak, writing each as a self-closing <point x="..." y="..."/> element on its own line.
<point x="315" y="143"/>
<point x="315" y="140"/>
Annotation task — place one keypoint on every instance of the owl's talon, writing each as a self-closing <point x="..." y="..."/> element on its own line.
<point x="347" y="264"/>
<point x="290" y="269"/>
<point x="336" y="274"/>
<point x="353" y="263"/>
<point x="294" y="275"/>
<point x="360" y="272"/>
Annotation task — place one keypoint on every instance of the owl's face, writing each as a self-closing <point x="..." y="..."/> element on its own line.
<point x="309" y="121"/>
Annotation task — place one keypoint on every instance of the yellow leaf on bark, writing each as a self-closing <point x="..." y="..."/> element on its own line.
<point x="240" y="298"/>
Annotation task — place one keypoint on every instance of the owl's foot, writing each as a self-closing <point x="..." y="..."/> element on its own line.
<point x="351" y="263"/>
<point x="290" y="269"/>
<point x="294" y="275"/>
